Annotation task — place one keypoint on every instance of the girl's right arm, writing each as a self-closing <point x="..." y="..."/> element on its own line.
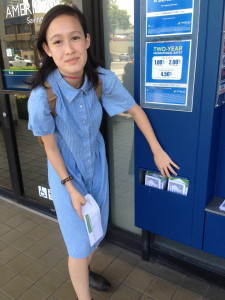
<point x="55" y="157"/>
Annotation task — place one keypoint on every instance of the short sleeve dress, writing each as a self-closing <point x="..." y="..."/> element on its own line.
<point x="76" y="128"/>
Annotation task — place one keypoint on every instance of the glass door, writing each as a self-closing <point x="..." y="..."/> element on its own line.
<point x="19" y="25"/>
<point x="119" y="52"/>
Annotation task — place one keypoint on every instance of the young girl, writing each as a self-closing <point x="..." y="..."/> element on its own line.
<point x="74" y="146"/>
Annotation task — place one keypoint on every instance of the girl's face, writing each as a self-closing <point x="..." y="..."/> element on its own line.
<point x="67" y="45"/>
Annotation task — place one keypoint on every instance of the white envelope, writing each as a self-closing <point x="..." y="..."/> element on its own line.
<point x="92" y="217"/>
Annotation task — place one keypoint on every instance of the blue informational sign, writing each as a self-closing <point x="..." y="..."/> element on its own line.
<point x="169" y="17"/>
<point x="162" y="95"/>
<point x="165" y="5"/>
<point x="167" y="72"/>
<point x="164" y="25"/>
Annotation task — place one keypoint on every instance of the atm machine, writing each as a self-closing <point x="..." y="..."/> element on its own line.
<point x="180" y="84"/>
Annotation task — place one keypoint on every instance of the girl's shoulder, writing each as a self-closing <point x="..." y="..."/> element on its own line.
<point x="108" y="78"/>
<point x="105" y="73"/>
<point x="38" y="97"/>
<point x="39" y="91"/>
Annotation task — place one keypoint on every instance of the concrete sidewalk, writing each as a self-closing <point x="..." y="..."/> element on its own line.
<point x="33" y="266"/>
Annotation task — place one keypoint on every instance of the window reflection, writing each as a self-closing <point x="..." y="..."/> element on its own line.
<point x="19" y="27"/>
<point x="119" y="49"/>
<point x="23" y="28"/>
<point x="10" y="29"/>
<point x="20" y="22"/>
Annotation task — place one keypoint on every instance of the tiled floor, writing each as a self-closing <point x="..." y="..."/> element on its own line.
<point x="33" y="266"/>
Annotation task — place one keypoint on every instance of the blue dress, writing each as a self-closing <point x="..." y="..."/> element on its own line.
<point x="76" y="128"/>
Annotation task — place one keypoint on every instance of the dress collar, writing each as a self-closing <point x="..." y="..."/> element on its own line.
<point x="69" y="91"/>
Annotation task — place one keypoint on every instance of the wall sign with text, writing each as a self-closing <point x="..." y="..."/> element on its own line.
<point x="167" y="72"/>
<point x="168" y="44"/>
<point x="169" y="17"/>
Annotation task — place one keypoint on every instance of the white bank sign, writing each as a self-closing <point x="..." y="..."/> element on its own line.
<point x="24" y="9"/>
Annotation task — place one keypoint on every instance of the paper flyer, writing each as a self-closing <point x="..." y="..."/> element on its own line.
<point x="155" y="180"/>
<point x="178" y="185"/>
<point x="92" y="217"/>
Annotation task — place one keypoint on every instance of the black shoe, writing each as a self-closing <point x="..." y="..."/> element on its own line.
<point x="98" y="282"/>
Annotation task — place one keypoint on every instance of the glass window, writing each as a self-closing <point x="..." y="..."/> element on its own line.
<point x="119" y="49"/>
<point x="32" y="155"/>
<point x="23" y="28"/>
<point x="18" y="30"/>
<point x="10" y="29"/>
<point x="21" y="23"/>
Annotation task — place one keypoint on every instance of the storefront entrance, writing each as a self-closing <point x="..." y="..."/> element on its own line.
<point x="25" y="176"/>
<point x="23" y="171"/>
<point x="23" y="164"/>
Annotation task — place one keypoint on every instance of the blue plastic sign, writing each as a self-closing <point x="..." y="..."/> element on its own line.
<point x="167" y="5"/>
<point x="169" y="17"/>
<point x="167" y="72"/>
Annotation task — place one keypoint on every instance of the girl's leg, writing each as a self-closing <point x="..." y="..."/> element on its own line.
<point x="79" y="274"/>
<point x="97" y="281"/>
<point x="90" y="257"/>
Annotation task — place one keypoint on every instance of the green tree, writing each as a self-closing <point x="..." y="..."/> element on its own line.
<point x="67" y="2"/>
<point x="118" y="18"/>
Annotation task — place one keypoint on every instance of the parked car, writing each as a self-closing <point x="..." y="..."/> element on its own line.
<point x="20" y="62"/>
<point x="126" y="56"/>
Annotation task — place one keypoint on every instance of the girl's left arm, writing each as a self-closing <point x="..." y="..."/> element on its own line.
<point x="161" y="158"/>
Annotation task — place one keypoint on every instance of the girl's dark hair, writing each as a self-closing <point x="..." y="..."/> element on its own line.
<point x="48" y="65"/>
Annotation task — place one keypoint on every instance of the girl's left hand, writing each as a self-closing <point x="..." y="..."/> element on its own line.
<point x="164" y="163"/>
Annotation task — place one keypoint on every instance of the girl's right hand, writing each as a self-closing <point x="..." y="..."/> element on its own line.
<point x="78" y="201"/>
